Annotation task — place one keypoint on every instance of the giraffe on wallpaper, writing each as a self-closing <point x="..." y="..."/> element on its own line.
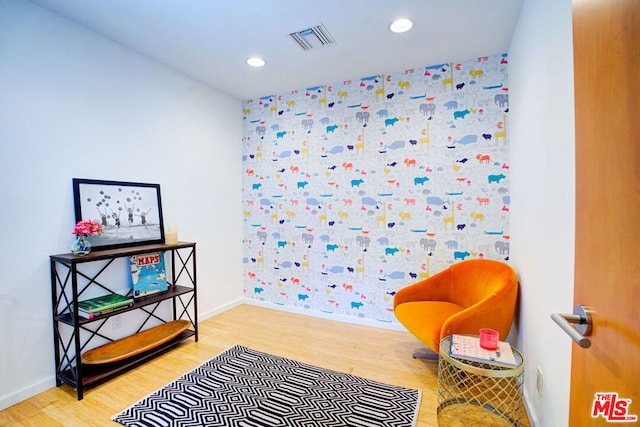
<point x="374" y="170"/>
<point x="426" y="139"/>
<point x="380" y="91"/>
<point x="449" y="80"/>
<point x="502" y="134"/>
<point x="360" y="144"/>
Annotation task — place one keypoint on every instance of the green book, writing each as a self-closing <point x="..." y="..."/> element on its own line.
<point x="97" y="304"/>
<point x="111" y="310"/>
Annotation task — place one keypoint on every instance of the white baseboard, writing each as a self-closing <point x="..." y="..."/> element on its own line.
<point x="48" y="383"/>
<point x="531" y="415"/>
<point x="221" y="309"/>
<point x="26" y="393"/>
<point x="327" y="316"/>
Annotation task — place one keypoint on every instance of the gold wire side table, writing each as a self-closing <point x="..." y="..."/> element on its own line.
<point x="477" y="393"/>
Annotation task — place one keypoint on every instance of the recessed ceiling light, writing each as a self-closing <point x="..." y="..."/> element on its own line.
<point x="401" y="25"/>
<point x="256" y="62"/>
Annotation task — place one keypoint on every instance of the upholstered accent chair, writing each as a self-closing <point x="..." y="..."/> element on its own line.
<point x="467" y="296"/>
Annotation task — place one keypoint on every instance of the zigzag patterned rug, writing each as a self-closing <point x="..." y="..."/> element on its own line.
<point x="244" y="387"/>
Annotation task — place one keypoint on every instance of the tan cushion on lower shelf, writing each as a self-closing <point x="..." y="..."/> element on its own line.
<point x="135" y="344"/>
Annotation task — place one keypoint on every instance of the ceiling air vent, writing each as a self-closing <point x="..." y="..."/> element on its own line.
<point x="313" y="37"/>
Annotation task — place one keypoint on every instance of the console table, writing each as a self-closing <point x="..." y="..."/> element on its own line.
<point x="74" y="335"/>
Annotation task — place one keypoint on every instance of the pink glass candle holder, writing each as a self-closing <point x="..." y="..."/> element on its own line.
<point x="489" y="339"/>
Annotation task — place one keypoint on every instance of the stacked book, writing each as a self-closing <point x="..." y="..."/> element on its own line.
<point x="105" y="304"/>
<point x="468" y="348"/>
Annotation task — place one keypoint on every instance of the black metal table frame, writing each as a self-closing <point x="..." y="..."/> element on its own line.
<point x="64" y="297"/>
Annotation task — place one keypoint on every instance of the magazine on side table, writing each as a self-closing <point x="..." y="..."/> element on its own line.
<point x="467" y="347"/>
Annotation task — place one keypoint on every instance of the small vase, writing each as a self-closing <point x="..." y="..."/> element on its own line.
<point x="81" y="246"/>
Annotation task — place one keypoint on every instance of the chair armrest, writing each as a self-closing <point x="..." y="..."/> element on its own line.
<point x="495" y="312"/>
<point x="434" y="288"/>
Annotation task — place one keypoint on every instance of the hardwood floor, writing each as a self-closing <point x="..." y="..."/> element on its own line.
<point x="376" y="354"/>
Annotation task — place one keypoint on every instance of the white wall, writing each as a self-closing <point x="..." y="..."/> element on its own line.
<point x="74" y="104"/>
<point x="542" y="196"/>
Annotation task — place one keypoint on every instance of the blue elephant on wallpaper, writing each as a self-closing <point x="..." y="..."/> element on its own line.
<point x="451" y="244"/>
<point x="428" y="109"/>
<point x="501" y="99"/>
<point x="307" y="238"/>
<point x="428" y="244"/>
<point x="307" y="124"/>
<point x="502" y="247"/>
<point x="363" y="241"/>
<point x="384" y="241"/>
<point x="362" y="116"/>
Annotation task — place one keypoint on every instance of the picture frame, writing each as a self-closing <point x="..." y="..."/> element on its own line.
<point x="130" y="213"/>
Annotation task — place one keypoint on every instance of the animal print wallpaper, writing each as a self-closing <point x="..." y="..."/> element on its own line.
<point x="355" y="189"/>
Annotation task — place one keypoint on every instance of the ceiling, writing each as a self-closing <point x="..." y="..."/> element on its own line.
<point x="210" y="40"/>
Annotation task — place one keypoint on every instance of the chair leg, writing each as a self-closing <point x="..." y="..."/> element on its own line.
<point x="426" y="353"/>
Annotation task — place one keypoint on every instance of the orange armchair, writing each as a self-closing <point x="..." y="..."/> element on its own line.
<point x="465" y="297"/>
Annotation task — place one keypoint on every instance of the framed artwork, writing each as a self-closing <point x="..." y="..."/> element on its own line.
<point x="130" y="212"/>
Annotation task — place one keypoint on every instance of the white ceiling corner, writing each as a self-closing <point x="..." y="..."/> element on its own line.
<point x="211" y="40"/>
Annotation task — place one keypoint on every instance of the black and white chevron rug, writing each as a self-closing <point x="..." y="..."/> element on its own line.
<point x="248" y="388"/>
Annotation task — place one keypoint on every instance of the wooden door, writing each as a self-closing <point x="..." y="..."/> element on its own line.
<point x="606" y="36"/>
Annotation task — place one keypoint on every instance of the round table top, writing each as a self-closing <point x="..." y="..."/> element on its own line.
<point x="485" y="368"/>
